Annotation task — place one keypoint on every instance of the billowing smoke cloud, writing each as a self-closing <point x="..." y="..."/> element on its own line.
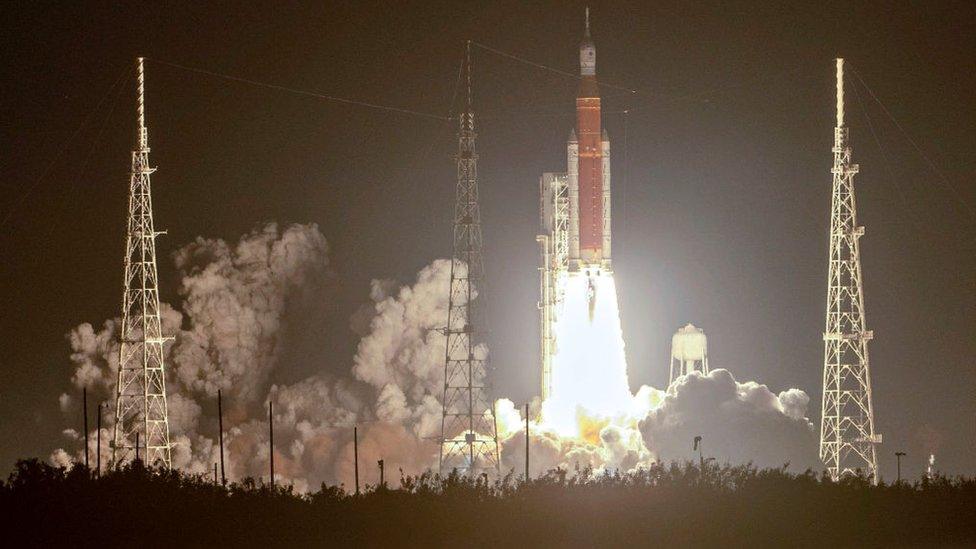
<point x="233" y="333"/>
<point x="235" y="301"/>
<point x="738" y="422"/>
<point x="250" y="324"/>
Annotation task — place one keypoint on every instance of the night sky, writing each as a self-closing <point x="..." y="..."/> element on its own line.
<point x="720" y="174"/>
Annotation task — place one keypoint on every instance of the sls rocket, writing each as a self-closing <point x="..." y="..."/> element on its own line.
<point x="589" y="177"/>
<point x="574" y="210"/>
<point x="588" y="154"/>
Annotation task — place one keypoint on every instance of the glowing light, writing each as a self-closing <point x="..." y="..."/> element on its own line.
<point x="589" y="373"/>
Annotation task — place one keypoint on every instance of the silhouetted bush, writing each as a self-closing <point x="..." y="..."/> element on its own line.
<point x="665" y="505"/>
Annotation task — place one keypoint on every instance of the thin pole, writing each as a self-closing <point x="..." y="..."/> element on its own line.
<point x="220" y="424"/>
<point x="84" y="405"/>
<point x="526" y="442"/>
<point x="98" y="441"/>
<point x="898" y="457"/>
<point x="355" y="455"/>
<point x="470" y="434"/>
<point x="137" y="446"/>
<point x="701" y="457"/>
<point x="380" y="462"/>
<point x="271" y="431"/>
<point x="215" y="473"/>
<point x="840" y="93"/>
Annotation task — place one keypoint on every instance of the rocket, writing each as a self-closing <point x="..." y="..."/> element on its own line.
<point x="574" y="210"/>
<point x="588" y="155"/>
<point x="588" y="151"/>
<point x="574" y="206"/>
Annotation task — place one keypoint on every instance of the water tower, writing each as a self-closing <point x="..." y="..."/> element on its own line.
<point x="689" y="352"/>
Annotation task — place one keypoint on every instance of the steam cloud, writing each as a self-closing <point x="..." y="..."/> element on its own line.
<point x="247" y="307"/>
<point x="738" y="422"/>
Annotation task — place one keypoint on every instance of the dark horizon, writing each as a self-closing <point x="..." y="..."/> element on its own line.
<point x="721" y="179"/>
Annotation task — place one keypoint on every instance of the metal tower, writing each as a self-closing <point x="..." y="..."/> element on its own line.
<point x="140" y="406"/>
<point x="554" y="205"/>
<point x="469" y="441"/>
<point x="847" y="437"/>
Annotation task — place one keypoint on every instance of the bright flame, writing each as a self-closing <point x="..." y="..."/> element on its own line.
<point x="589" y="368"/>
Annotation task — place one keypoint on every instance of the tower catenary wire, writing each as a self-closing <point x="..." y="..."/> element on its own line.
<point x="469" y="442"/>
<point x="847" y="437"/>
<point x="140" y="397"/>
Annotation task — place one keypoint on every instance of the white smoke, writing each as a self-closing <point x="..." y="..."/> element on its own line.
<point x="235" y="301"/>
<point x="738" y="422"/>
<point x="231" y="335"/>
<point x="247" y="307"/>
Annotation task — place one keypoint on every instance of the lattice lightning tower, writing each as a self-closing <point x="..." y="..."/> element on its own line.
<point x="141" y="420"/>
<point x="469" y="441"/>
<point x="847" y="437"/>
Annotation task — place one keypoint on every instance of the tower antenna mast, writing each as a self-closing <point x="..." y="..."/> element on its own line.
<point x="140" y="394"/>
<point x="469" y="441"/>
<point x="847" y="438"/>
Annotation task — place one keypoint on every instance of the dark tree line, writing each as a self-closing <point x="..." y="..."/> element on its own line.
<point x="666" y="505"/>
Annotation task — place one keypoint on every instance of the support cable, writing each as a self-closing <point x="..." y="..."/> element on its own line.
<point x="70" y="192"/>
<point x="67" y="144"/>
<point x="947" y="183"/>
<point x="662" y="98"/>
<point x="546" y="67"/>
<point x="304" y="92"/>
<point x="887" y="162"/>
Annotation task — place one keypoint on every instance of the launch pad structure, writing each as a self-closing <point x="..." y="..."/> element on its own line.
<point x="469" y="439"/>
<point x="140" y="394"/>
<point x="847" y="437"/>
<point x="574" y="209"/>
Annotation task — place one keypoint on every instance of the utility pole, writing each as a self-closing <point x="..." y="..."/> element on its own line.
<point x="382" y="483"/>
<point x="847" y="437"/>
<point x="84" y="406"/>
<point x="355" y="454"/>
<point x="469" y="440"/>
<point x="898" y="457"/>
<point x="140" y="394"/>
<point x="220" y="425"/>
<point x="701" y="457"/>
<point x="526" y="442"/>
<point x="98" y="441"/>
<point x="271" y="439"/>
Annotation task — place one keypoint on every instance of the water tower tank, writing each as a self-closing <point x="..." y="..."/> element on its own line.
<point x="689" y="352"/>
